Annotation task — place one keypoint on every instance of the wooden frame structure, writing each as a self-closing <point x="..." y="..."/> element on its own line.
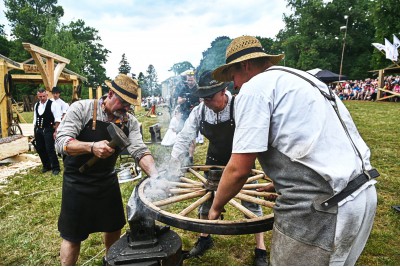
<point x="382" y="74"/>
<point x="51" y="68"/>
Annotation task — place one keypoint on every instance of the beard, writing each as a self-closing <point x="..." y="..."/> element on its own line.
<point x="119" y="113"/>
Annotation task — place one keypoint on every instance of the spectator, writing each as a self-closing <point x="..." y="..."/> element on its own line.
<point x="46" y="118"/>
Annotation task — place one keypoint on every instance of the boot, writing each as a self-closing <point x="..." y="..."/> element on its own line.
<point x="260" y="257"/>
<point x="202" y="245"/>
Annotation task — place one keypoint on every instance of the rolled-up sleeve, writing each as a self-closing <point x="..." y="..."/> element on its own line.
<point x="74" y="121"/>
<point x="188" y="133"/>
<point x="137" y="148"/>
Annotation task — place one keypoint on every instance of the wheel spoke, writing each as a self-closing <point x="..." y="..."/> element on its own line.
<point x="242" y="209"/>
<point x="184" y="190"/>
<point x="255" y="193"/>
<point x="255" y="200"/>
<point x="255" y="178"/>
<point x="174" y="199"/>
<point x="184" y="185"/>
<point x="254" y="186"/>
<point x="196" y="204"/>
<point x="198" y="175"/>
<point x="190" y="181"/>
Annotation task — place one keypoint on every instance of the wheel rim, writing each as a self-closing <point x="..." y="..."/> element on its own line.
<point x="186" y="195"/>
<point x="14" y="129"/>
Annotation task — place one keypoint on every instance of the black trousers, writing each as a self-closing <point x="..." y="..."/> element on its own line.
<point x="45" y="148"/>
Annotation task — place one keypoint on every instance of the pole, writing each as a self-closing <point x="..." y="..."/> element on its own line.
<point x="344" y="44"/>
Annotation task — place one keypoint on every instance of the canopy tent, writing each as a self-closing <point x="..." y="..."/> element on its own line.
<point x="326" y="75"/>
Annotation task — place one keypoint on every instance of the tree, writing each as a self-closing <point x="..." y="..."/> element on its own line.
<point x="151" y="85"/>
<point x="180" y="67"/>
<point x="95" y="55"/>
<point x="311" y="37"/>
<point x="214" y="56"/>
<point x="124" y="65"/>
<point x="385" y="14"/>
<point x="4" y="43"/>
<point x="29" y="18"/>
<point x="61" y="41"/>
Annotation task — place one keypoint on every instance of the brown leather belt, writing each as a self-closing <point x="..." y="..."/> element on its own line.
<point x="351" y="187"/>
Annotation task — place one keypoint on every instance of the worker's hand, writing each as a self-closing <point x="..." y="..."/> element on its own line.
<point x="268" y="188"/>
<point x="174" y="167"/>
<point x="213" y="214"/>
<point x="102" y="150"/>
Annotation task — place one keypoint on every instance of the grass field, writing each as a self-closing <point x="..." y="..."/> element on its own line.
<point x="30" y="203"/>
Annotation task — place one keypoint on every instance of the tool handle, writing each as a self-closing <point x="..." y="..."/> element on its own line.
<point x="94" y="159"/>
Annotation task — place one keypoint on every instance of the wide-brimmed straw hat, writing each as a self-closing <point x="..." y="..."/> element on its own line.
<point x="125" y="87"/>
<point x="240" y="49"/>
<point x="208" y="85"/>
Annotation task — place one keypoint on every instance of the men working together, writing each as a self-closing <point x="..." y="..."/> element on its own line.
<point x="285" y="118"/>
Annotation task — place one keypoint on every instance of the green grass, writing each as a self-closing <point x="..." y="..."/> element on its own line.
<point x="30" y="203"/>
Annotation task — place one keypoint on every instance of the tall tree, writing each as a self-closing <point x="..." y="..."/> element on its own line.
<point x="95" y="54"/>
<point x="385" y="14"/>
<point x="151" y="81"/>
<point x="180" y="67"/>
<point x="214" y="56"/>
<point x="312" y="38"/>
<point x="61" y="41"/>
<point x="28" y="18"/>
<point x="4" y="43"/>
<point x="124" y="65"/>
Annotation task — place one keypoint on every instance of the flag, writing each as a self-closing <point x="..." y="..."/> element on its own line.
<point x="389" y="49"/>
<point x="396" y="41"/>
<point x="379" y="46"/>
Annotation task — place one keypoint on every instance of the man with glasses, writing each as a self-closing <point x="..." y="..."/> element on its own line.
<point x="91" y="200"/>
<point x="214" y="118"/>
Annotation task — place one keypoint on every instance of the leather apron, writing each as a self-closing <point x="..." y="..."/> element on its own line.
<point x="91" y="201"/>
<point x="299" y="225"/>
<point x="220" y="136"/>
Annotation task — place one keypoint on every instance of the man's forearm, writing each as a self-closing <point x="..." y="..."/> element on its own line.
<point x="148" y="165"/>
<point x="233" y="178"/>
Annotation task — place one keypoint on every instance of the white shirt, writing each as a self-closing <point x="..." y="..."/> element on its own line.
<point x="192" y="125"/>
<point x="55" y="109"/>
<point x="64" y="106"/>
<point x="282" y="110"/>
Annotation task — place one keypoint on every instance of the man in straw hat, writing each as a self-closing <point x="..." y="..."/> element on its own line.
<point x="91" y="201"/>
<point x="214" y="119"/>
<point x="321" y="170"/>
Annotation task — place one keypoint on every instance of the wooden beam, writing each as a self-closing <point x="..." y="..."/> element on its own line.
<point x="33" y="48"/>
<point x="4" y="100"/>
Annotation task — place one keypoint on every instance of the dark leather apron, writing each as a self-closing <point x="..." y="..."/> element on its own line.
<point x="220" y="136"/>
<point x="91" y="202"/>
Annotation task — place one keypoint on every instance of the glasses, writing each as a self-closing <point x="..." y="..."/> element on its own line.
<point x="123" y="102"/>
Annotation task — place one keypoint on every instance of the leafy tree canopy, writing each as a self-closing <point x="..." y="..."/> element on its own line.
<point x="180" y="67"/>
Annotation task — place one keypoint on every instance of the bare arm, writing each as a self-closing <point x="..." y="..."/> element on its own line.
<point x="148" y="165"/>
<point x="233" y="179"/>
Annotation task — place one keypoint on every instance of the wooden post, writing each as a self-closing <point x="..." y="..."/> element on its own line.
<point x="99" y="92"/>
<point x="380" y="84"/>
<point x="3" y="100"/>
<point x="75" y="84"/>
<point x="90" y="93"/>
<point x="139" y="107"/>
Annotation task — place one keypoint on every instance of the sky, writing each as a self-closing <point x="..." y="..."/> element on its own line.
<point x="165" y="32"/>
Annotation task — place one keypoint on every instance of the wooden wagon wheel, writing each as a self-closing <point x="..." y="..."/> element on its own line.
<point x="14" y="129"/>
<point x="178" y="204"/>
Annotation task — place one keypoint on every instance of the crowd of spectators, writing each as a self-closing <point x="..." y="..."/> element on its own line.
<point x="367" y="89"/>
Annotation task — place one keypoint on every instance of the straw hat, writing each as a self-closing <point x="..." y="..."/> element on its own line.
<point x="208" y="85"/>
<point x="240" y="49"/>
<point x="125" y="87"/>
